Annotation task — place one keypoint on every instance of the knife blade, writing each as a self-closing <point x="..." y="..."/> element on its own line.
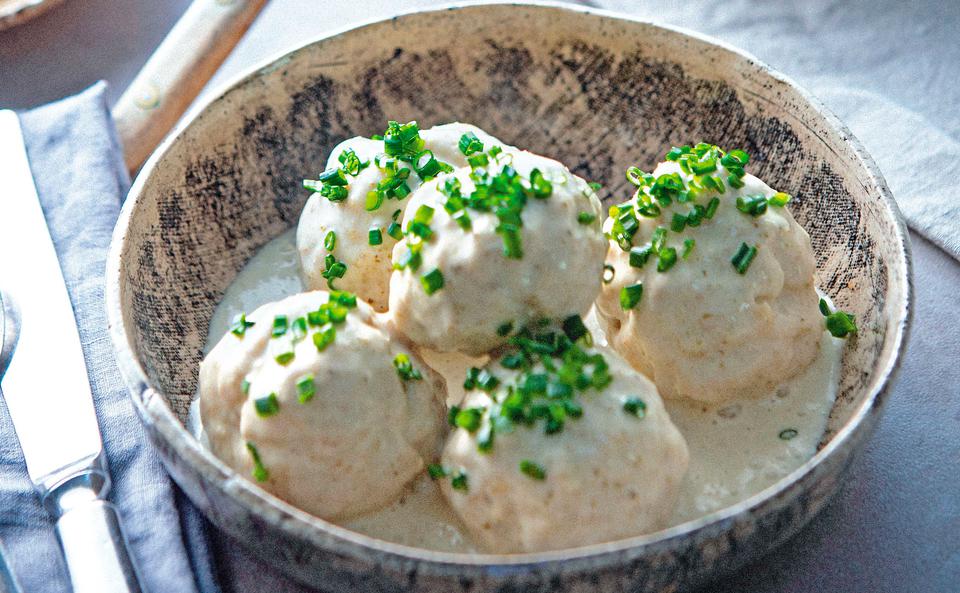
<point x="47" y="389"/>
<point x="46" y="386"/>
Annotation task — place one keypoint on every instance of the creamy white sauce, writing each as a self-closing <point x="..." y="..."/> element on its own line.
<point x="736" y="449"/>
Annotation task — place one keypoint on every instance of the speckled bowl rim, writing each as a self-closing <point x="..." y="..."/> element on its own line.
<point x="353" y="544"/>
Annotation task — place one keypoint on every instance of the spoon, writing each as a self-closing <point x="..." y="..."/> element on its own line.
<point x="9" y="330"/>
<point x="9" y="334"/>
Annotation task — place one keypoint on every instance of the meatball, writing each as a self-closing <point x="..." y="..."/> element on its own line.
<point x="492" y="247"/>
<point x="368" y="266"/>
<point x="314" y="399"/>
<point x="727" y="307"/>
<point x="610" y="468"/>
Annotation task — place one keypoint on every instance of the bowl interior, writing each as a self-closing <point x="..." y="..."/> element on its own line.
<point x="595" y="92"/>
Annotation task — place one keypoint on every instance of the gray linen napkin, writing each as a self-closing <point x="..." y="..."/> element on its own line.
<point x="81" y="180"/>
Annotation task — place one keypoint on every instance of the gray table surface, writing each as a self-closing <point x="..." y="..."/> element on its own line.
<point x="895" y="525"/>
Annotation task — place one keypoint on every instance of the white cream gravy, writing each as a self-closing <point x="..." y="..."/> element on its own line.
<point x="736" y="449"/>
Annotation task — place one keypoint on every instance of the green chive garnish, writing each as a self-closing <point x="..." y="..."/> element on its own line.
<point x="330" y="241"/>
<point x="741" y="260"/>
<point x="280" y="325"/>
<point x="635" y="406"/>
<point x="469" y="419"/>
<point x="779" y="199"/>
<point x="666" y="257"/>
<point x="630" y="296"/>
<point x="459" y="482"/>
<point x="324" y="338"/>
<point x="405" y="368"/>
<point x="240" y="325"/>
<point x="505" y="328"/>
<point x="586" y="217"/>
<point x="469" y="144"/>
<point x="512" y="246"/>
<point x="306" y="388"/>
<point x="532" y="470"/>
<point x="426" y="165"/>
<point x="640" y="255"/>
<point x="712" y="206"/>
<point x="752" y="205"/>
<point x="395" y="231"/>
<point x="688" y="245"/>
<point x="373" y="201"/>
<point x="374" y="236"/>
<point x="678" y="222"/>
<point x="267" y="405"/>
<point x="284" y="358"/>
<point x="333" y="177"/>
<point x="245" y="386"/>
<point x="432" y="281"/>
<point x="436" y="471"/>
<point x="260" y="473"/>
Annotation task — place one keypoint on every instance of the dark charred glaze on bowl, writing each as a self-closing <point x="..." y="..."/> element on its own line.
<point x="597" y="92"/>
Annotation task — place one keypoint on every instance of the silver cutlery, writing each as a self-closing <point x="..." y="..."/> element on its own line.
<point x="47" y="390"/>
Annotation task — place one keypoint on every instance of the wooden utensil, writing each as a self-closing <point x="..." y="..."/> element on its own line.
<point x="177" y="71"/>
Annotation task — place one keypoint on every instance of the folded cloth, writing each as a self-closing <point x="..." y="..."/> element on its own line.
<point x="81" y="180"/>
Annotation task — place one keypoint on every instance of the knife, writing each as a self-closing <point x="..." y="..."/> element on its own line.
<point x="47" y="390"/>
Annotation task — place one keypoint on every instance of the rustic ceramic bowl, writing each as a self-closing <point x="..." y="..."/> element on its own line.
<point x="592" y="89"/>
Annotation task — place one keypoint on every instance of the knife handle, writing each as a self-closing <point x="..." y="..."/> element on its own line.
<point x="93" y="542"/>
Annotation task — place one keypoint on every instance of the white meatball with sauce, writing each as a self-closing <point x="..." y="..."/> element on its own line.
<point x="721" y="309"/>
<point x="612" y="470"/>
<point x="311" y="397"/>
<point x="355" y="226"/>
<point x="476" y="272"/>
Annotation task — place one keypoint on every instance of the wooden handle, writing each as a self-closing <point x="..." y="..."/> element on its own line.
<point x="175" y="73"/>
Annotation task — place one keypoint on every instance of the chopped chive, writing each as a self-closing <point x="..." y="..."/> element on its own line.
<point x="299" y="328"/>
<point x="574" y="328"/>
<point x="779" y="199"/>
<point x="841" y="324"/>
<point x="596" y="187"/>
<point x="432" y="281"/>
<point x="512" y="246"/>
<point x="478" y="160"/>
<point x="260" y="473"/>
<point x="405" y="368"/>
<point x="324" y="338"/>
<point x="666" y="258"/>
<point x="373" y="200"/>
<point x="824" y="307"/>
<point x="712" y="206"/>
<point x="541" y="187"/>
<point x="735" y="182"/>
<point x="334" y="193"/>
<point x="469" y="144"/>
<point x="436" y="471"/>
<point x="284" y="358"/>
<point x="753" y="205"/>
<point x="533" y="470"/>
<point x="240" y="325"/>
<point x="505" y="328"/>
<point x="586" y="217"/>
<point x="640" y="255"/>
<point x="788" y="433"/>
<point x="306" y="388"/>
<point x="245" y="386"/>
<point x="395" y="231"/>
<point x="426" y="165"/>
<point x="280" y="325"/>
<point x="741" y="260"/>
<point x="468" y="419"/>
<point x="657" y="238"/>
<point x="688" y="246"/>
<point x="635" y="406"/>
<point x="333" y="177"/>
<point x="630" y="296"/>
<point x="459" y="481"/>
<point x="678" y="222"/>
<point x="374" y="236"/>
<point x="267" y="405"/>
<point x="330" y="241"/>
